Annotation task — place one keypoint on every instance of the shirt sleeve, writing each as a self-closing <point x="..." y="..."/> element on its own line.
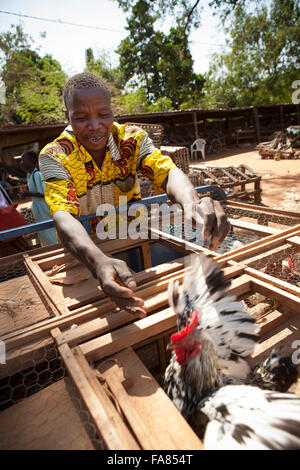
<point x="37" y="177"/>
<point x="153" y="164"/>
<point x="60" y="193"/>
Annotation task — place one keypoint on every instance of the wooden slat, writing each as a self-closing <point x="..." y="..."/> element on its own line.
<point x="147" y="438"/>
<point x="267" y="210"/>
<point x="268" y="290"/>
<point x="140" y="330"/>
<point x="113" y="431"/>
<point x="88" y="312"/>
<point x="256" y="228"/>
<point x="55" y="303"/>
<point x="270" y="256"/>
<point x="260" y="245"/>
<point x="166" y="427"/>
<point x="273" y="281"/>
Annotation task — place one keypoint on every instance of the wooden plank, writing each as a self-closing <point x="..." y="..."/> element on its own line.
<point x="116" y="420"/>
<point x="140" y="330"/>
<point x="26" y="307"/>
<point x="112" y="321"/>
<point x="263" y="210"/>
<point x="295" y="241"/>
<point x="285" y="298"/>
<point x="115" y="436"/>
<point x="88" y="312"/>
<point x="55" y="303"/>
<point x="273" y="281"/>
<point x="253" y="227"/>
<point x="146" y="255"/>
<point x="260" y="245"/>
<point x="270" y="256"/>
<point x="147" y="438"/>
<point x="166" y="426"/>
<point x="47" y="420"/>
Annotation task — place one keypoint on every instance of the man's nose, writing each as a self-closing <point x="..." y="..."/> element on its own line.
<point x="94" y="123"/>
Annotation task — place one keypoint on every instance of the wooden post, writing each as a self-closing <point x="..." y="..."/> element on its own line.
<point x="195" y="125"/>
<point x="256" y="120"/>
<point x="281" y="118"/>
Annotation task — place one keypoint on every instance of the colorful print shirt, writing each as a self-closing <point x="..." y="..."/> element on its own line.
<point x="75" y="184"/>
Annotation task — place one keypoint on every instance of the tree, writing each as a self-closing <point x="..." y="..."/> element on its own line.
<point x="263" y="59"/>
<point x="33" y="83"/>
<point x="162" y="64"/>
<point x="101" y="66"/>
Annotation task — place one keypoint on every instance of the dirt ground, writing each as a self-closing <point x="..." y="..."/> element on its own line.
<point x="280" y="179"/>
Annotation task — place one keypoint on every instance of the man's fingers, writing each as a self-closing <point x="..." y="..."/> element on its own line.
<point x="134" y="305"/>
<point x="219" y="234"/>
<point x="125" y="276"/>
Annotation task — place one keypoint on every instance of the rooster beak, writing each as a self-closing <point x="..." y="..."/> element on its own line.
<point x="171" y="346"/>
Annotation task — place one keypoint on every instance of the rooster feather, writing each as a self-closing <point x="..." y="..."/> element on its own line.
<point x="208" y="371"/>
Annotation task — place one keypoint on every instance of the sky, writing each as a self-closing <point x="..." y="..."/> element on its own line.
<point x="67" y="43"/>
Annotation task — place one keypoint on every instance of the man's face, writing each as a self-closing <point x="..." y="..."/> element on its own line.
<point x="90" y="115"/>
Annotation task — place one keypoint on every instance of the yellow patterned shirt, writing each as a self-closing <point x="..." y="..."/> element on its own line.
<point x="75" y="184"/>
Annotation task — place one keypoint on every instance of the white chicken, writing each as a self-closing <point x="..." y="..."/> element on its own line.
<point x="208" y="378"/>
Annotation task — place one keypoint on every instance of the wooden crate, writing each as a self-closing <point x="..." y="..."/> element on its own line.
<point x="235" y="179"/>
<point x="126" y="404"/>
<point x="140" y="416"/>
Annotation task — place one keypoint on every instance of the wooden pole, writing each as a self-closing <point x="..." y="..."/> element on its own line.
<point x="195" y="125"/>
<point x="256" y="120"/>
<point x="281" y="118"/>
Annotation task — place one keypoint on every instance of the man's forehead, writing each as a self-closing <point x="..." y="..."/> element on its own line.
<point x="80" y="95"/>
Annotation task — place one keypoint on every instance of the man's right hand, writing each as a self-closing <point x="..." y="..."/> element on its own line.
<point x="118" y="283"/>
<point x="113" y="274"/>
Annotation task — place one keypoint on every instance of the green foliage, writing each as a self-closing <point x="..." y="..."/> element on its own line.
<point x="136" y="101"/>
<point x="112" y="76"/>
<point x="263" y="61"/>
<point x="161" y="63"/>
<point x="33" y="83"/>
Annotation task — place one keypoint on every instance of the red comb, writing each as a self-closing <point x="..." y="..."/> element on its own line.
<point x="290" y="261"/>
<point x="188" y="329"/>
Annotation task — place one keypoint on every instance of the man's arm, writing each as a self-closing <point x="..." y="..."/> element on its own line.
<point x="215" y="224"/>
<point x="113" y="274"/>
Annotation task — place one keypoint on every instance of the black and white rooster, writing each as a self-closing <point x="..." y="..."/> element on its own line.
<point x="208" y="378"/>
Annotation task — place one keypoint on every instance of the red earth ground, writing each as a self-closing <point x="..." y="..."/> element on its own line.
<point x="280" y="182"/>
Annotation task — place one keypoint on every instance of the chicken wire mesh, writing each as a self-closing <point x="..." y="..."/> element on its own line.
<point x="54" y="419"/>
<point x="44" y="368"/>
<point x="28" y="374"/>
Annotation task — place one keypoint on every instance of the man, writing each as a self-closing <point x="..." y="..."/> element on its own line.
<point x="96" y="160"/>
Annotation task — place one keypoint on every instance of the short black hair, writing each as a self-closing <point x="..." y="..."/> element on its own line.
<point x="31" y="154"/>
<point x="84" y="80"/>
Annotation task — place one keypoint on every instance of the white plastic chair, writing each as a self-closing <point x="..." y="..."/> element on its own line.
<point x="198" y="146"/>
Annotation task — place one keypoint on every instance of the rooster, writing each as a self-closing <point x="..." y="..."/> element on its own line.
<point x="208" y="377"/>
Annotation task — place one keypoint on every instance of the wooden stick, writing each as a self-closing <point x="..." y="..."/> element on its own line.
<point x="108" y="422"/>
<point x="140" y="330"/>
<point x="55" y="303"/>
<point x="166" y="426"/>
<point x="259" y="245"/>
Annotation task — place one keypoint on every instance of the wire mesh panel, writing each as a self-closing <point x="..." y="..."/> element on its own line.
<point x="53" y="419"/>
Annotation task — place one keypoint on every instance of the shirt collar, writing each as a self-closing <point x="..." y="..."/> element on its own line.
<point x="111" y="145"/>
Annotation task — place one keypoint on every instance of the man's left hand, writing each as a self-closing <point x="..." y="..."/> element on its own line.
<point x="211" y="215"/>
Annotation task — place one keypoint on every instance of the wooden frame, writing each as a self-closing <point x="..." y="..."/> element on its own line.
<point x="130" y="382"/>
<point x="118" y="399"/>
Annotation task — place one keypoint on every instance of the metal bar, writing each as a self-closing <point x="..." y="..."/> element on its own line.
<point x="46" y="224"/>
